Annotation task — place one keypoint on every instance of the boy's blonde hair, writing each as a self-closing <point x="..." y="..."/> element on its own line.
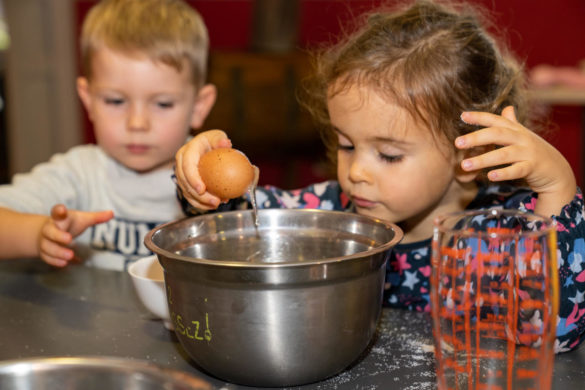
<point x="436" y="59"/>
<point x="169" y="31"/>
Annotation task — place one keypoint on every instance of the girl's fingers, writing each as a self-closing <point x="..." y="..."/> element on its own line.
<point x="510" y="114"/>
<point x="188" y="175"/>
<point x="187" y="171"/>
<point x="489" y="136"/>
<point x="218" y="139"/>
<point x="492" y="158"/>
<point x="487" y="119"/>
<point x="510" y="172"/>
<point x="186" y="163"/>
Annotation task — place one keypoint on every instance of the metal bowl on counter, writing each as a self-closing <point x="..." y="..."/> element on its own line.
<point x="93" y="373"/>
<point x="292" y="301"/>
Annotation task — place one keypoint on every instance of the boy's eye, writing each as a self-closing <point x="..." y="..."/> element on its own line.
<point x="165" y="104"/>
<point x="114" y="101"/>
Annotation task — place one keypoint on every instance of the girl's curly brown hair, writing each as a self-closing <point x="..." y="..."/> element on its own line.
<point x="434" y="59"/>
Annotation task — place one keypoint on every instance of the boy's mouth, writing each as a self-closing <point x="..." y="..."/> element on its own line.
<point x="137" y="148"/>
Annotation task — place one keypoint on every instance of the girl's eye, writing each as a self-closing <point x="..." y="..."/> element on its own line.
<point x="344" y="147"/>
<point x="390" y="158"/>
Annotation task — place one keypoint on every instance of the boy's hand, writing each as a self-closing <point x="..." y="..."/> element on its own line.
<point x="522" y="155"/>
<point x="61" y="228"/>
<point x="187" y="171"/>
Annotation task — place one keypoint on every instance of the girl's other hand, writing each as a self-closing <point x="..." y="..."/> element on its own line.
<point x="61" y="228"/>
<point x="187" y="168"/>
<point x="522" y="154"/>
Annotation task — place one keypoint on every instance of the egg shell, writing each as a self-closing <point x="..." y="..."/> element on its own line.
<point x="226" y="172"/>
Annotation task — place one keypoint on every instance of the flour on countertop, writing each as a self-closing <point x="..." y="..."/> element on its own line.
<point x="401" y="356"/>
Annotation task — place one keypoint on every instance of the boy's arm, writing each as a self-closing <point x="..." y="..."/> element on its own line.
<point x="20" y="233"/>
<point x="31" y="235"/>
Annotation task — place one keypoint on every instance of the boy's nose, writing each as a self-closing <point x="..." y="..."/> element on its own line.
<point x="137" y="119"/>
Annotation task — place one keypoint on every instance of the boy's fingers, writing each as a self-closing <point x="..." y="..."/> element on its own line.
<point x="102" y="216"/>
<point x="59" y="212"/>
<point x="90" y="218"/>
<point x="53" y="233"/>
<point x="52" y="250"/>
<point x="54" y="261"/>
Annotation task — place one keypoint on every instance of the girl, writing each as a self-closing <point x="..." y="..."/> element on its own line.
<point x="424" y="115"/>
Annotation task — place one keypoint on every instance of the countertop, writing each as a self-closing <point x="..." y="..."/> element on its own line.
<point x="82" y="311"/>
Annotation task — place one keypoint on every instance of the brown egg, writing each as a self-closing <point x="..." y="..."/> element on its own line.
<point x="227" y="173"/>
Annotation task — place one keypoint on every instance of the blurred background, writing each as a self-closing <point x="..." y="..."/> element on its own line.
<point x="258" y="57"/>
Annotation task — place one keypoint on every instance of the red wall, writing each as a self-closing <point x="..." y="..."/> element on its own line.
<point x="539" y="31"/>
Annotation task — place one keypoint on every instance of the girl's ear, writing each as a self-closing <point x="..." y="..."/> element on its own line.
<point x="84" y="95"/>
<point x="203" y="104"/>
<point x="466" y="176"/>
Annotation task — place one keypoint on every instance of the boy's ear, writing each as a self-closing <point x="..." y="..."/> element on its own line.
<point x="203" y="104"/>
<point x="84" y="95"/>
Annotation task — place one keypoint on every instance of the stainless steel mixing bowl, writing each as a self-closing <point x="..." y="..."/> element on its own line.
<point x="295" y="301"/>
<point x="93" y="373"/>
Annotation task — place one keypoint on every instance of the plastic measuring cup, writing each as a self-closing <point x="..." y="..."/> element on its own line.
<point x="494" y="300"/>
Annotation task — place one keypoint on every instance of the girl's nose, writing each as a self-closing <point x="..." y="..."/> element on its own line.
<point x="358" y="171"/>
<point x="137" y="119"/>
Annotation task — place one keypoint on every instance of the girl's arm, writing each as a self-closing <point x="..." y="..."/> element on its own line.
<point x="571" y="270"/>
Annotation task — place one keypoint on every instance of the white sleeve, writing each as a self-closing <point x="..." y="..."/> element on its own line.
<point x="57" y="181"/>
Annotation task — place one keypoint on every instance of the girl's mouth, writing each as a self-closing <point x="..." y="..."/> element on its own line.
<point x="362" y="203"/>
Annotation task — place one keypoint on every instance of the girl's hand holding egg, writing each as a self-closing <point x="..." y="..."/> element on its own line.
<point x="208" y="171"/>
<point x="226" y="172"/>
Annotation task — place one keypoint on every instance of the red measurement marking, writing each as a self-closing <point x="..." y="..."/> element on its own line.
<point x="523" y="373"/>
<point x="528" y="339"/>
<point x="533" y="284"/>
<point x="488" y="325"/>
<point x="490" y="354"/>
<point x="528" y="354"/>
<point x="488" y="386"/>
<point x="454" y="253"/>
<point x="494" y="299"/>
<point x="531" y="304"/>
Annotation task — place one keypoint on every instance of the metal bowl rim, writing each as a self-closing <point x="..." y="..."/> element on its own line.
<point x="398" y="235"/>
<point x="115" y="363"/>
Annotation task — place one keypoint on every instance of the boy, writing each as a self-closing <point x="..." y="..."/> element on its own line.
<point x="144" y="66"/>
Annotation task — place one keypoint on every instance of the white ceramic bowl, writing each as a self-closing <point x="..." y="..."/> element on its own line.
<point x="148" y="279"/>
